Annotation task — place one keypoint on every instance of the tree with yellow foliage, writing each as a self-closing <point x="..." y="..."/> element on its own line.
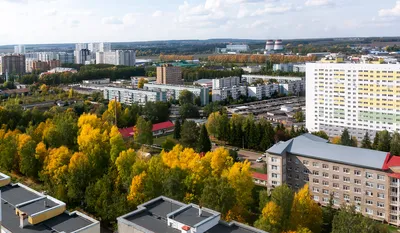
<point x="336" y="140"/>
<point x="79" y="176"/>
<point x="56" y="166"/>
<point x="91" y="119"/>
<point x="44" y="89"/>
<point x="270" y="219"/>
<point x="117" y="143"/>
<point x="141" y="82"/>
<point x="136" y="192"/>
<point x="305" y="211"/>
<point x="220" y="160"/>
<point x="114" y="110"/>
<point x="124" y="164"/>
<point x="28" y="164"/>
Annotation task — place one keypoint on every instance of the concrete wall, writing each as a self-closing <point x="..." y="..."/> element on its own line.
<point x="124" y="228"/>
<point x="206" y="226"/>
<point x="43" y="216"/>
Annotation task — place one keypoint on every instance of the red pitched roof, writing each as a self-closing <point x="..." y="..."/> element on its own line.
<point x="260" y="176"/>
<point x="391" y="161"/>
<point x="128" y="132"/>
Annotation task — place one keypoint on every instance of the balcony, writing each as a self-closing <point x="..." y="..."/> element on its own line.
<point x="393" y="202"/>
<point x="394" y="221"/>
<point x="393" y="194"/>
<point x="394" y="212"/>
<point x="393" y="184"/>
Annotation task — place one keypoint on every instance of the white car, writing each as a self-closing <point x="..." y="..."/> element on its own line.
<point x="259" y="160"/>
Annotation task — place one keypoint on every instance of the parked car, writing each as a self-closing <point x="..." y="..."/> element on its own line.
<point x="236" y="149"/>
<point x="259" y="160"/>
<point x="264" y="155"/>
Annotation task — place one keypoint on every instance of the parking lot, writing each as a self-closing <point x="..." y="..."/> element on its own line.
<point x="250" y="156"/>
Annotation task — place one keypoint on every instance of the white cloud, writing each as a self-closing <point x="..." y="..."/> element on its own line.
<point x="274" y="9"/>
<point x="157" y="13"/>
<point x="243" y="12"/>
<point x="111" y="20"/>
<point x="319" y="3"/>
<point x="395" y="11"/>
<point x="129" y="19"/>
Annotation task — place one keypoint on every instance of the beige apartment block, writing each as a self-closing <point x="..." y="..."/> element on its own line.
<point x="168" y="74"/>
<point x="365" y="178"/>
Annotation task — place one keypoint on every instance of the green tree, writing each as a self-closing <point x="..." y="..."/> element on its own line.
<point x="354" y="141"/>
<point x="189" y="134"/>
<point x="117" y="143"/>
<point x="186" y="97"/>
<point x="376" y="141"/>
<point x="156" y="112"/>
<point x="143" y="132"/>
<point x="189" y="111"/>
<point x="218" y="195"/>
<point x="328" y="213"/>
<point x="299" y="116"/>
<point x="321" y="134"/>
<point x="8" y="155"/>
<point x="345" y="138"/>
<point x="177" y="130"/>
<point x="264" y="197"/>
<point x="168" y="144"/>
<point x="29" y="165"/>
<point x="222" y="127"/>
<point x="283" y="197"/>
<point x="173" y="184"/>
<point x="366" y="142"/>
<point x="348" y="220"/>
<point x="384" y="141"/>
<point x="204" y="143"/>
<point x="395" y="144"/>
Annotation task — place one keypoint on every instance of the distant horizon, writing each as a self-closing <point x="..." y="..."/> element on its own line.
<point x="66" y="21"/>
<point x="210" y="39"/>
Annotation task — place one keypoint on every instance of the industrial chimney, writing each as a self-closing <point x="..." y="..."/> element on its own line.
<point x="22" y="216"/>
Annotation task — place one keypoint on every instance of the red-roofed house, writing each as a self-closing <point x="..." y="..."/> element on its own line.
<point x="260" y="179"/>
<point x="158" y="129"/>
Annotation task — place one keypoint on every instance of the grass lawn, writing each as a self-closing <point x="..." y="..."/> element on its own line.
<point x="393" y="229"/>
<point x="160" y="140"/>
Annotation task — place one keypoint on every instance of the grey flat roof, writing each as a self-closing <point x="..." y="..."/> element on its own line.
<point x="67" y="223"/>
<point x="145" y="220"/>
<point x="37" y="206"/>
<point x="190" y="216"/>
<point x="311" y="147"/>
<point x="162" y="208"/>
<point x="16" y="194"/>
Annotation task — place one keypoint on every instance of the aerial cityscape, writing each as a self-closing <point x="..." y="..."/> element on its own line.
<point x="200" y="116"/>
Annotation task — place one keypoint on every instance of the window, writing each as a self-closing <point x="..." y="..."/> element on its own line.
<point x="335" y="168"/>
<point x="315" y="164"/>
<point x="380" y="204"/>
<point x="357" y="190"/>
<point x="369" y="202"/>
<point x="274" y="159"/>
<point x="289" y="159"/>
<point x="274" y="167"/>
<point x="305" y="162"/>
<point x="335" y="202"/>
<point x="336" y="185"/>
<point x="380" y="214"/>
<point x="357" y="172"/>
<point x="296" y="161"/>
<point x="369" y="211"/>
<point x="369" y="184"/>
<point x="326" y="175"/>
<point x="315" y="181"/>
<point x="315" y="190"/>
<point x="346" y="197"/>
<point x="306" y="179"/>
<point x="369" y="193"/>
<point x="381" y="177"/>
<point x="346" y="170"/>
<point x="289" y="168"/>
<point x="369" y="175"/>
<point x="274" y="175"/>
<point x="346" y="188"/>
<point x="357" y="199"/>
<point x="306" y="171"/>
<point x="325" y="199"/>
<point x="335" y="177"/>
<point x="316" y="198"/>
<point x="275" y="182"/>
<point x="381" y="186"/>
<point x="325" y="183"/>
<point x="381" y="195"/>
<point x="346" y="179"/>
<point x="358" y="208"/>
<point x="325" y="166"/>
<point x="315" y="173"/>
<point x="356" y="181"/>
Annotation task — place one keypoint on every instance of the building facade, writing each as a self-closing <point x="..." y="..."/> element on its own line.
<point x="13" y="64"/>
<point x="366" y="178"/>
<point x="65" y="58"/>
<point x="225" y="82"/>
<point x="82" y="56"/>
<point x="250" y="78"/>
<point x="130" y="96"/>
<point x="19" y="49"/>
<point x="234" y="92"/>
<point x="125" y="57"/>
<point x="168" y="74"/>
<point x="174" y="91"/>
<point x="360" y="97"/>
<point x="262" y="91"/>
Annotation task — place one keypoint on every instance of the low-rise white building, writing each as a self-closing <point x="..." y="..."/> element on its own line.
<point x="225" y="82"/>
<point x="262" y="91"/>
<point x="130" y="96"/>
<point x="224" y="93"/>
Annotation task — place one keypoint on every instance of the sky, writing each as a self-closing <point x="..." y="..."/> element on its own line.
<point x="75" y="21"/>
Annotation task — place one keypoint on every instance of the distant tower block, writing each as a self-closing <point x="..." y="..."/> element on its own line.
<point x="278" y="45"/>
<point x="270" y="45"/>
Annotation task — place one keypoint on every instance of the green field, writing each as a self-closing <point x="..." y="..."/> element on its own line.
<point x="160" y="140"/>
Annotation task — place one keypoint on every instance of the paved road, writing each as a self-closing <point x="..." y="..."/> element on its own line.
<point x="249" y="155"/>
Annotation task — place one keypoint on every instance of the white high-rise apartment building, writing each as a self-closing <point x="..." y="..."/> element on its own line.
<point x="79" y="47"/>
<point x="99" y="47"/>
<point x="19" y="49"/>
<point x="126" y="57"/>
<point x="225" y="82"/>
<point x="359" y="97"/>
<point x="106" y="58"/>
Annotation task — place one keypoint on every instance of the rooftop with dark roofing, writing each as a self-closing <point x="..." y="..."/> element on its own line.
<point x="155" y="214"/>
<point x="315" y="147"/>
